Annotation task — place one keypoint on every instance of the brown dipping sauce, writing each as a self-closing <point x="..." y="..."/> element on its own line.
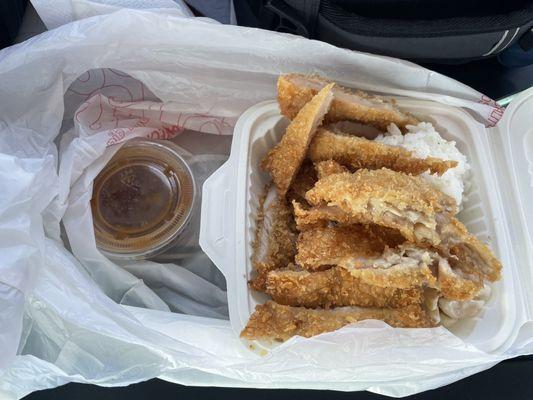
<point x="135" y="198"/>
<point x="142" y="199"/>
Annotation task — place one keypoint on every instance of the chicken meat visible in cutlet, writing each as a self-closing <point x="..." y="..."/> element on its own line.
<point x="466" y="252"/>
<point x="275" y="241"/>
<point x="295" y="90"/>
<point x="328" y="245"/>
<point x="384" y="197"/>
<point x="455" y="285"/>
<point x="402" y="267"/>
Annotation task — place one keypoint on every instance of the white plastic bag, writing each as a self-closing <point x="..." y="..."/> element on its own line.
<point x="56" y="323"/>
<point x="55" y="13"/>
<point x="101" y="126"/>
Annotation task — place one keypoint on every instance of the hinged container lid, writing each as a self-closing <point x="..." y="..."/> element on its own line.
<point x="512" y="146"/>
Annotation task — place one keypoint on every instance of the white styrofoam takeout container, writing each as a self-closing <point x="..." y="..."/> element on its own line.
<point x="496" y="208"/>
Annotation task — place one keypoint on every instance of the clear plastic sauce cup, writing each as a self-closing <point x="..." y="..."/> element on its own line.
<point x="142" y="200"/>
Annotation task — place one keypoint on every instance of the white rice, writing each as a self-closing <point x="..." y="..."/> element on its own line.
<point x="424" y="141"/>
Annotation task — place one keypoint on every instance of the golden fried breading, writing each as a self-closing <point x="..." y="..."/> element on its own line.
<point x="284" y="160"/>
<point x="384" y="197"/>
<point x="304" y="181"/>
<point x="328" y="245"/>
<point x="357" y="152"/>
<point x="328" y="167"/>
<point x="335" y="287"/>
<point x="275" y="240"/>
<point x="295" y="90"/>
<point x="456" y="287"/>
<point x="272" y="321"/>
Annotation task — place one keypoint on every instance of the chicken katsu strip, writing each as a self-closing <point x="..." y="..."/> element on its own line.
<point x="384" y="197"/>
<point x="357" y="152"/>
<point x="279" y="322"/>
<point x="408" y="266"/>
<point x="335" y="287"/>
<point x="304" y="181"/>
<point x="421" y="213"/>
<point x="295" y="90"/>
<point x="402" y="267"/>
<point x="275" y="241"/>
<point x="284" y="160"/>
<point x="328" y="245"/>
<point x="328" y="167"/>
